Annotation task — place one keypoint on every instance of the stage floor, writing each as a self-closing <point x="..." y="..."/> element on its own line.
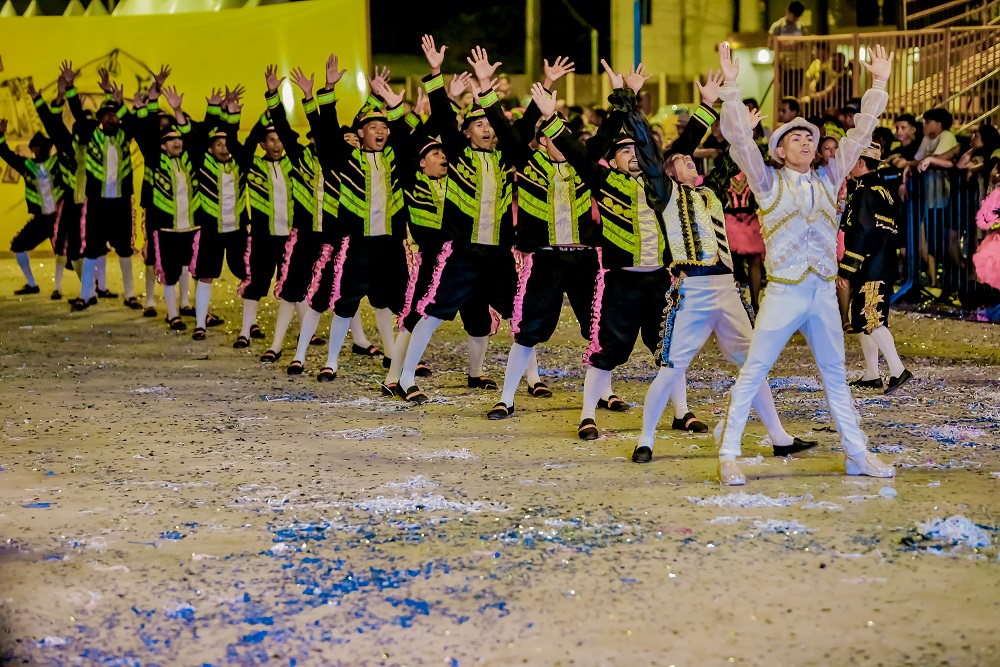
<point x="171" y="502"/>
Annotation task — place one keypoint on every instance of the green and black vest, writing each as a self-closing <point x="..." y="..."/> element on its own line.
<point x="163" y="213"/>
<point x="425" y="204"/>
<point x="97" y="147"/>
<point x="536" y="205"/>
<point x="209" y="178"/>
<point x="260" y="193"/>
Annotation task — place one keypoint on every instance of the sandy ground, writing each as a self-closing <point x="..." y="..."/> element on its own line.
<point x="169" y="502"/>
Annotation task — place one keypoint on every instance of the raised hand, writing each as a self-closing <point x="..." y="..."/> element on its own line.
<point x="459" y="84"/>
<point x="238" y="92"/>
<point x="617" y="81"/>
<point x="60" y="88"/>
<point x="138" y="100"/>
<point x="730" y="68"/>
<point x="880" y="67"/>
<point x="105" y="81"/>
<point x="636" y="78"/>
<point x="305" y="84"/>
<point x="117" y="93"/>
<point x="754" y="117"/>
<point x="710" y="90"/>
<point x="423" y="106"/>
<point x="333" y="72"/>
<point x="546" y="103"/>
<point x="557" y="70"/>
<point x="481" y="65"/>
<point x="271" y="78"/>
<point x="160" y="77"/>
<point x="434" y="55"/>
<point x="30" y="89"/>
<point x="174" y="99"/>
<point x="380" y="80"/>
<point x="67" y="73"/>
<point x="215" y="99"/>
<point x="392" y="98"/>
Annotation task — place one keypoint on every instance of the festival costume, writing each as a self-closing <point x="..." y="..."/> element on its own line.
<point x="110" y="219"/>
<point x="632" y="251"/>
<point x="798" y="219"/>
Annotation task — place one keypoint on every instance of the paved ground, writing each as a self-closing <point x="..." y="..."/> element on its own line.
<point x="167" y="502"/>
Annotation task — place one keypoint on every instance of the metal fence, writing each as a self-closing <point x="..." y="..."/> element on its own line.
<point x="938" y="237"/>
<point x="956" y="68"/>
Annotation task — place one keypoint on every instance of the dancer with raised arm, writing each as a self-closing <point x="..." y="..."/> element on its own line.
<point x="798" y="218"/>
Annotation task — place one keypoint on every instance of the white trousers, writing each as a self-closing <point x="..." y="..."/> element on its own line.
<point x="810" y="307"/>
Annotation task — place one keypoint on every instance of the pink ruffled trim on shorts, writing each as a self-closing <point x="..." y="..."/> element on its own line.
<point x="527" y="260"/>
<point x="595" y="310"/>
<point x="83" y="228"/>
<point x="194" y="254"/>
<point x="413" y="260"/>
<point x="317" y="275"/>
<point x="293" y="236"/>
<point x="159" y="265"/>
<point x="338" y="271"/>
<point x="246" y="263"/>
<point x="428" y="298"/>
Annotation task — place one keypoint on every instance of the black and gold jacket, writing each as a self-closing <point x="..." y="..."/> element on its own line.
<point x="869" y="227"/>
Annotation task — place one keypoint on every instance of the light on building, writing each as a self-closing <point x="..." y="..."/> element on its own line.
<point x="916" y="54"/>
<point x="862" y="54"/>
<point x="362" y="82"/>
<point x="763" y="56"/>
<point x="287" y="97"/>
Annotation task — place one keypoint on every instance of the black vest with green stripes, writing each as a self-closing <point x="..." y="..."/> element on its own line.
<point x="536" y="205"/>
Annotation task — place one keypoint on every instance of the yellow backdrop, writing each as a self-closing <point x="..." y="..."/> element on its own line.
<point x="204" y="49"/>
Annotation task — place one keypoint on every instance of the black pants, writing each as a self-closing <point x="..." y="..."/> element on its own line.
<point x="302" y="250"/>
<point x="69" y="228"/>
<point x="482" y="276"/>
<point x="546" y="275"/>
<point x="372" y="266"/>
<point x="265" y="256"/>
<point x="477" y="317"/>
<point x="172" y="251"/>
<point x="110" y="222"/>
<point x="627" y="304"/>
<point x="212" y="247"/>
<point x="38" y="229"/>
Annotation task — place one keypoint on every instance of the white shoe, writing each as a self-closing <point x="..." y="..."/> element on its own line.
<point x="869" y="465"/>
<point x="730" y="473"/>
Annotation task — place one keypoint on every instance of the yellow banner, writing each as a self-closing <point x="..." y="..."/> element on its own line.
<point x="204" y="49"/>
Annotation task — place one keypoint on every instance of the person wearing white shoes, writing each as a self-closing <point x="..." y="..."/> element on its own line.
<point x="798" y="220"/>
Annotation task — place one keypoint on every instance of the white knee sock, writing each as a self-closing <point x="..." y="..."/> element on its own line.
<point x="300" y="310"/>
<point x="358" y="333"/>
<point x="202" y="297"/>
<point x="338" y="332"/>
<point x="128" y="288"/>
<point x="102" y="272"/>
<point x="595" y="384"/>
<point x="384" y="320"/>
<point x="419" y="338"/>
<point x="150" y="287"/>
<point x="679" y="396"/>
<point x="60" y="268"/>
<point x="285" y="311"/>
<point x="763" y="403"/>
<point x="249" y="316"/>
<point x="170" y="298"/>
<point x="87" y="279"/>
<point x="660" y="391"/>
<point x="887" y="346"/>
<point x="531" y="372"/>
<point x="25" y="263"/>
<point x="398" y="353"/>
<point x="477" y="354"/>
<point x="869" y="348"/>
<point x="517" y="362"/>
<point x="307" y="327"/>
<point x="184" y="287"/>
